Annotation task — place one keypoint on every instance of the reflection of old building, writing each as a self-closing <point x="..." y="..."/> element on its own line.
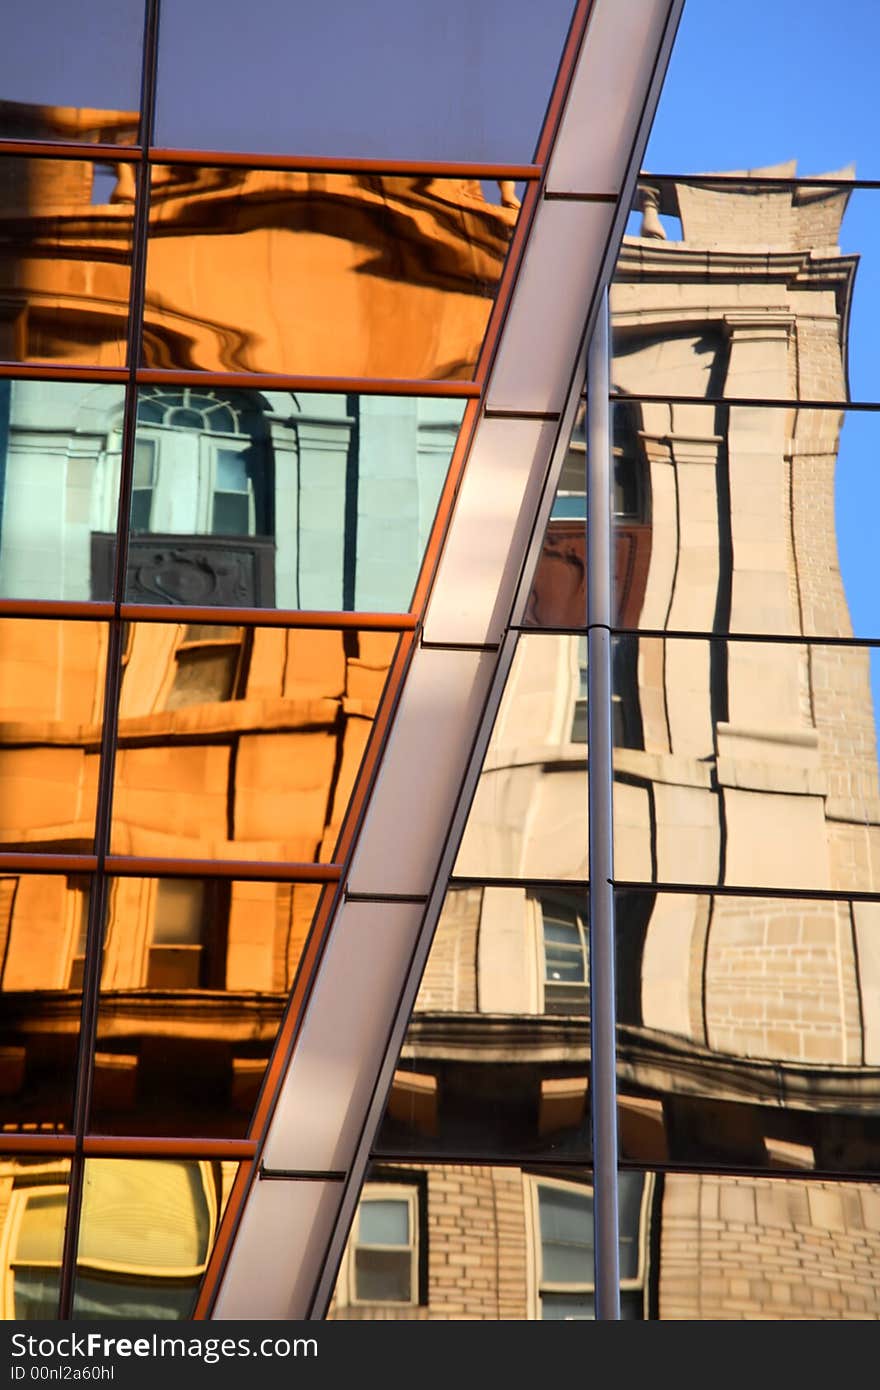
<point x="147" y="1230"/>
<point x="747" y="1028"/>
<point x="383" y="255"/>
<point x="274" y="431"/>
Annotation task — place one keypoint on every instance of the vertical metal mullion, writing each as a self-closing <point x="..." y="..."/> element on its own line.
<point x="603" y="1073"/>
<point x="98" y="899"/>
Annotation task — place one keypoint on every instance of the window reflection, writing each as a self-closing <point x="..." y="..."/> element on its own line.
<point x="254" y="735"/>
<point x="496" y="1055"/>
<point x="33" y="1203"/>
<point x="146" y="1230"/>
<point x="194" y="980"/>
<point x="494" y="1243"/>
<point x="280" y="498"/>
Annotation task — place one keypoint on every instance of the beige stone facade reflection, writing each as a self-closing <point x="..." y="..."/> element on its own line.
<point x="748" y="1021"/>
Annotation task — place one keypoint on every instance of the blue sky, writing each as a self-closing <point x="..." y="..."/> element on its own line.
<point x="759" y="82"/>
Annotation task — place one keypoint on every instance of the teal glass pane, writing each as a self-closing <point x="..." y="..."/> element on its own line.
<point x="286" y="500"/>
<point x="60" y="450"/>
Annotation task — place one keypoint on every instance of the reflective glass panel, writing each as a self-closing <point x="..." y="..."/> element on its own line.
<point x="65" y="229"/>
<point x="322" y="274"/>
<point x="146" y="1231"/>
<point x="753" y="519"/>
<point x="790" y="54"/>
<point x="60" y="445"/>
<point x="51" y="711"/>
<point x="43" y="923"/>
<point x="528" y="819"/>
<point x="195" y="976"/>
<point x="750" y="764"/>
<point x="496" y="1055"/>
<point x="764" y="290"/>
<point x="282" y="499"/>
<point x="558" y="596"/>
<point x="33" y="1202"/>
<point x="765" y="1248"/>
<point x="748" y="1031"/>
<point x="495" y="1243"/>
<point x="393" y="80"/>
<point x="71" y="73"/>
<point x="242" y="743"/>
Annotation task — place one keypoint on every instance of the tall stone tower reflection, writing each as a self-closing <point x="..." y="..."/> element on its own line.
<point x="747" y="812"/>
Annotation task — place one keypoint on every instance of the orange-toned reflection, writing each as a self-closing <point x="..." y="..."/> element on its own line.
<point x="65" y="254"/>
<point x="195" y="977"/>
<point x="322" y="274"/>
<point x="242" y="743"/>
<point x="51" y="700"/>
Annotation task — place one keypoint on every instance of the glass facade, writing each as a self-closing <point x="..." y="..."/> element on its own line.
<point x="303" y="500"/>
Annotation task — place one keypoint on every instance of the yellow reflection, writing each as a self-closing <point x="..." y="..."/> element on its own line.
<point x="146" y="1231"/>
<point x="324" y="274"/>
<point x="33" y="1208"/>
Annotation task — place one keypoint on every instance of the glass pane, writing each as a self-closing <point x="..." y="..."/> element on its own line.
<point x="568" y="1307"/>
<point x="630" y="1190"/>
<point x="260" y="766"/>
<point x="749" y="1031"/>
<point x="384" y="1223"/>
<point x="383" y="1276"/>
<point x="329" y="505"/>
<point x="704" y="306"/>
<point x="33" y="1203"/>
<point x="196" y="975"/>
<point x="321" y="274"/>
<point x="180" y="911"/>
<point x="60" y="445"/>
<point x="479" y="1241"/>
<point x="566" y="1235"/>
<point x="495" y="1058"/>
<point x="528" y="818"/>
<point x="51" y="708"/>
<point x="64" y="271"/>
<point x="558" y="596"/>
<point x="765" y="1248"/>
<point x="42" y="926"/>
<point x="231" y="470"/>
<point x="754" y="519"/>
<point x="146" y="1231"/>
<point x="144" y="462"/>
<point x="405" y="82"/>
<point x="84" y="84"/>
<point x="782" y="116"/>
<point x="231" y="515"/>
<point x="751" y="764"/>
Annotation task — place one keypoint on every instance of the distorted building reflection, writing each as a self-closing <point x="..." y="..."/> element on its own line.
<point x="747" y="835"/>
<point x="303" y="273"/>
<point x="147" y="1229"/>
<point x="233" y="743"/>
<point x="255" y="499"/>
